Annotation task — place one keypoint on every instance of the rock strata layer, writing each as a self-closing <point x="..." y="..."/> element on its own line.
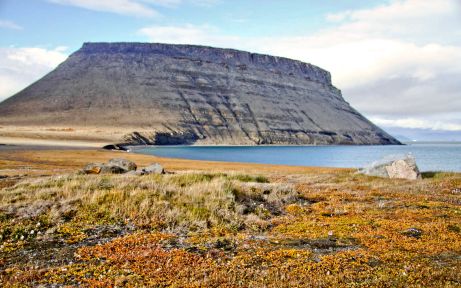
<point x="184" y="94"/>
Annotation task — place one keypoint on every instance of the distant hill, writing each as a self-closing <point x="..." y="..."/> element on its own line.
<point x="184" y="94"/>
<point x="402" y="138"/>
<point x="424" y="135"/>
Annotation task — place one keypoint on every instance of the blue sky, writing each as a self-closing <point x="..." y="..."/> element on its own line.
<point x="396" y="61"/>
<point x="59" y="23"/>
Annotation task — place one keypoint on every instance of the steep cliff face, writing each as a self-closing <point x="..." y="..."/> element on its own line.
<point x="183" y="94"/>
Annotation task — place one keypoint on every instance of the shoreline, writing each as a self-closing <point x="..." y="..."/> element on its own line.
<point x="73" y="146"/>
<point x="55" y="160"/>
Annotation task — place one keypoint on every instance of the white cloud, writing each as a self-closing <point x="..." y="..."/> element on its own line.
<point x="417" y="123"/>
<point x="9" y="25"/>
<point x="165" y="3"/>
<point x="338" y="17"/>
<point x="400" y="60"/>
<point x="124" y="7"/>
<point x="21" y="66"/>
<point x="175" y="3"/>
<point x="140" y="8"/>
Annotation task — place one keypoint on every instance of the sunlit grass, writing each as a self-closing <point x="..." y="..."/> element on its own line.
<point x="231" y="229"/>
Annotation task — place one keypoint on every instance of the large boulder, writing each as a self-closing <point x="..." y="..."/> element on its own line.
<point x="124" y="164"/>
<point x="396" y="167"/>
<point x="114" y="166"/>
<point x="112" y="169"/>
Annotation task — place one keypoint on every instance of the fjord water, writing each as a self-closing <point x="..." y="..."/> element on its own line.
<point x="429" y="156"/>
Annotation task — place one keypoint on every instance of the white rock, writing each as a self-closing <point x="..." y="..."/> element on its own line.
<point x="394" y="166"/>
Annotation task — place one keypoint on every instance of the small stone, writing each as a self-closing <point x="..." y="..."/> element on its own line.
<point x="413" y="232"/>
<point x="22" y="237"/>
<point x="32" y="232"/>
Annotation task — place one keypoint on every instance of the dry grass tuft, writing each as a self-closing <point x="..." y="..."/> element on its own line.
<point x="180" y="202"/>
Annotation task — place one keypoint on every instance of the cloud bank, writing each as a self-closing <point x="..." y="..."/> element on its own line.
<point x="19" y="67"/>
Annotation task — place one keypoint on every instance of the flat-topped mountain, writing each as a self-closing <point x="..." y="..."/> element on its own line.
<point x="184" y="94"/>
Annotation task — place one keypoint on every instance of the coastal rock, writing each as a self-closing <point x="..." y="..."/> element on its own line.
<point x="187" y="94"/>
<point x="115" y="147"/>
<point x="396" y="167"/>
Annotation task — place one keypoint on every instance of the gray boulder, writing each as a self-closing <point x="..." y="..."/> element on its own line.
<point x="395" y="167"/>
<point x="112" y="169"/>
<point x="114" y="166"/>
<point x="153" y="169"/>
<point x="101" y="168"/>
<point x="124" y="164"/>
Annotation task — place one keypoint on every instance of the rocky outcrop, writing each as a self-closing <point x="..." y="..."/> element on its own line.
<point x="121" y="166"/>
<point x="159" y="138"/>
<point x="185" y="94"/>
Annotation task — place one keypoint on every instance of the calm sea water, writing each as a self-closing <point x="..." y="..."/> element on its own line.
<point x="429" y="156"/>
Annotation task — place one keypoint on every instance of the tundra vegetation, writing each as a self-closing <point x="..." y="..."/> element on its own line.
<point x="206" y="228"/>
